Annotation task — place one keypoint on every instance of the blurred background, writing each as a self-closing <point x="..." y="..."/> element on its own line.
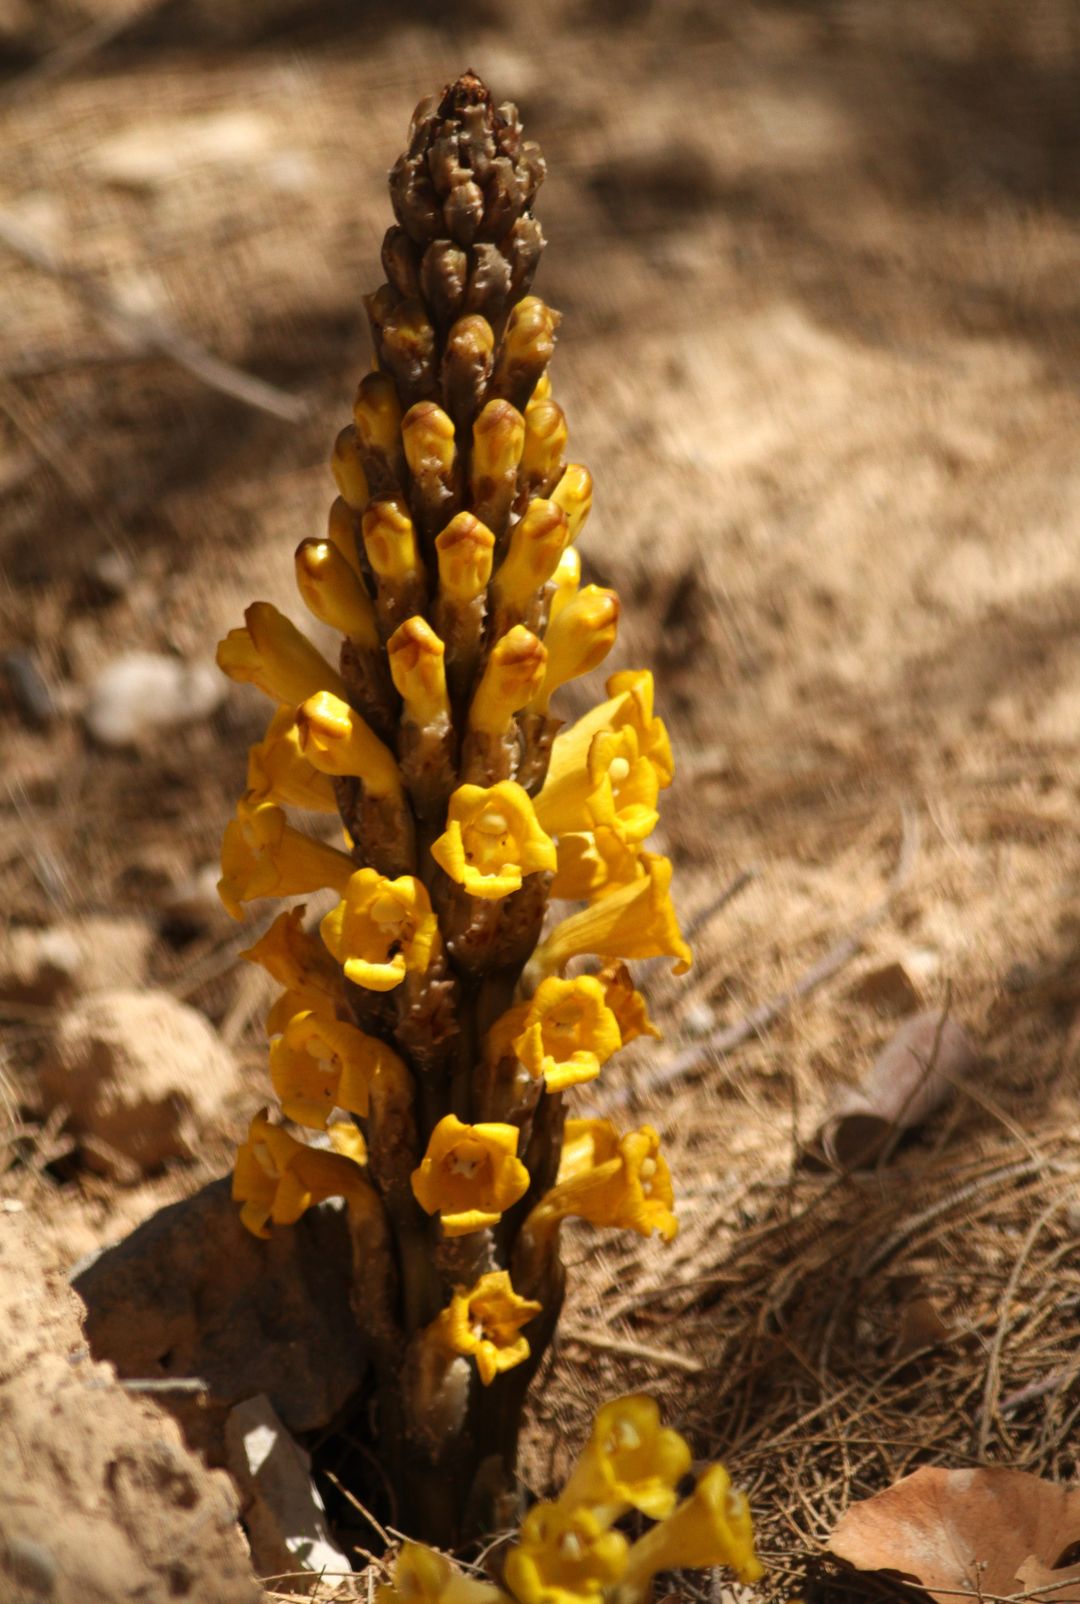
<point x="819" y="271"/>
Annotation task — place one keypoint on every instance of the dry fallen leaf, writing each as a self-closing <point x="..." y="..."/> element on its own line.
<point x="989" y="1532"/>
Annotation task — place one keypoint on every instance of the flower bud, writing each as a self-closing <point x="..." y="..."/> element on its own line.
<point x="566" y="582"/>
<point x="545" y="445"/>
<point x="464" y="549"/>
<point x="343" y="530"/>
<point x="512" y="675"/>
<point x="528" y="344"/>
<point x="336" y="740"/>
<point x="428" y="437"/>
<point x="272" y="654"/>
<point x="334" y="591"/>
<point x="418" y="670"/>
<point x="348" y="468"/>
<point x="390" y="540"/>
<point x="574" y="495"/>
<point x="536" y="544"/>
<point x="578" y="639"/>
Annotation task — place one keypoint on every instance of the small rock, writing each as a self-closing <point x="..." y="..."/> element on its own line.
<point x="888" y="989"/>
<point x="191" y="1293"/>
<point x="94" y="954"/>
<point x="279" y="1504"/>
<point x="139" y="1072"/>
<point x="144" y="691"/>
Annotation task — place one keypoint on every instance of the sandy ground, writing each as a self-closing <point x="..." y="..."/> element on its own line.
<point x="817" y="266"/>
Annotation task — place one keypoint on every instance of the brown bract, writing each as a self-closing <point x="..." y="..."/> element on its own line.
<point x="988" y="1533"/>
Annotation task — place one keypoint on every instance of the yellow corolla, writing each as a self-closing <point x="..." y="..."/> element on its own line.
<point x="564" y="1556"/>
<point x="492" y="840"/>
<point x="300" y="963"/>
<point x="577" y="640"/>
<point x="636" y="921"/>
<point x="568" y="1032"/>
<point x="262" y="856"/>
<point x="711" y="1527"/>
<point x="630" y="1461"/>
<point x="586" y="1143"/>
<point x="512" y="674"/>
<point x="464" y="552"/>
<point x="617" y="782"/>
<point x="319" y="1064"/>
<point x="336" y="740"/>
<point x="418" y="670"/>
<point x="485" y="1320"/>
<point x="469" y="1174"/>
<point x="629" y="706"/>
<point x="276" y="1178"/>
<point x="279" y="772"/>
<point x="382" y="929"/>
<point x="421" y="1576"/>
<point x="595" y="863"/>
<point x="626" y="1003"/>
<point x="630" y="1189"/>
<point x="270" y="652"/>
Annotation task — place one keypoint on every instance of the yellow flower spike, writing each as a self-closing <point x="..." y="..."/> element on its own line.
<point x="636" y="921"/>
<point x="498" y="441"/>
<point x="564" y="1556"/>
<point x="565" y="582"/>
<point x="276" y="1178"/>
<point x="464" y="552"/>
<point x="532" y="556"/>
<point x="334" y="591"/>
<point x="348" y="469"/>
<point x="428" y="437"/>
<point x="573" y="493"/>
<point x="377" y="414"/>
<point x="578" y="639"/>
<point x="390" y="540"/>
<point x="262" y="856"/>
<point x="485" y="1321"/>
<point x="587" y="1143"/>
<point x="545" y="443"/>
<point x="319" y="1064"/>
<point x="421" y="1576"/>
<point x="270" y="652"/>
<point x="381" y="930"/>
<point x="336" y="740"/>
<point x="343" y="531"/>
<point x="279" y="772"/>
<point x="418" y="670"/>
<point x="492" y="840"/>
<point x="711" y="1527"/>
<point x="568" y="1033"/>
<point x="631" y="1190"/>
<point x="298" y="961"/>
<point x="512" y="675"/>
<point x="469" y="1175"/>
<point x="626" y="1003"/>
<point x="630" y="1460"/>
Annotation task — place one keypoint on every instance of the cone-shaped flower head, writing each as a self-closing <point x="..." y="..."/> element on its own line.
<point x="276" y="1178"/>
<point x="418" y="670"/>
<point x="564" y="1556"/>
<point x="513" y="674"/>
<point x="578" y="639"/>
<point x="469" y="1174"/>
<point x="334" y="592"/>
<point x="492" y="840"/>
<point x="348" y="468"/>
<point x="630" y="1460"/>
<point x="485" y="1321"/>
<point x="279" y="772"/>
<point x="262" y="856"/>
<point x="270" y="652"/>
<point x="536" y="544"/>
<point x="381" y="930"/>
<point x="711" y="1527"/>
<point x="631" y="1190"/>
<point x="464" y="552"/>
<point x="421" y="1576"/>
<point x="637" y="921"/>
<point x="321" y="1064"/>
<point x="336" y="740"/>
<point x="568" y="1032"/>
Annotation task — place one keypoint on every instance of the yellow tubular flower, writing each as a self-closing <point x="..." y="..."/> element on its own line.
<point x="296" y="960"/>
<point x="565" y="582"/>
<point x="636" y="921"/>
<point x="578" y="639"/>
<point x="348" y="469"/>
<point x="342" y="531"/>
<point x="464" y="551"/>
<point x="498" y="441"/>
<point x="428" y="437"/>
<point x="262" y="856"/>
<point x="596" y="863"/>
<point x="568" y="1032"/>
<point x="564" y="1556"/>
<point x="390" y="540"/>
<point x="512" y="675"/>
<point x="545" y="442"/>
<point x="542" y="391"/>
<point x="419" y="673"/>
<point x="421" y="1576"/>
<point x="629" y="705"/>
<point x="492" y="840"/>
<point x="279" y="772"/>
<point x="291" y="1003"/>
<point x="319" y="1064"/>
<point x="532" y="556"/>
<point x="377" y="414"/>
<point x="631" y="1190"/>
<point x="336" y="740"/>
<point x="485" y="1321"/>
<point x="711" y="1527"/>
<point x="630" y="1461"/>
<point x="616" y="783"/>
<point x="469" y="1175"/>
<point x="334" y="591"/>
<point x="626" y="1003"/>
<point x="573" y="493"/>
<point x="586" y="1144"/>
<point x="382" y="929"/>
<point x="272" y="654"/>
<point x="276" y="1178"/>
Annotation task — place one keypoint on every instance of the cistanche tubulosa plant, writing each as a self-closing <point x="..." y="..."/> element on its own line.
<point x="428" y="1030"/>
